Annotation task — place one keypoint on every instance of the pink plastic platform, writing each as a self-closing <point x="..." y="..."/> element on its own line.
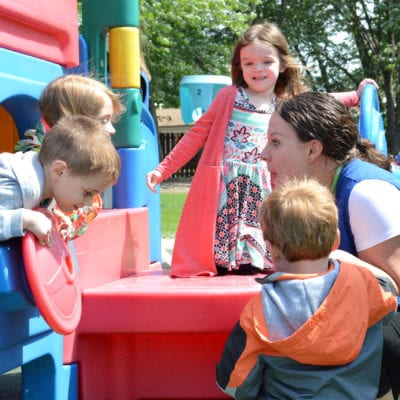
<point x="45" y="29"/>
<point x="146" y="335"/>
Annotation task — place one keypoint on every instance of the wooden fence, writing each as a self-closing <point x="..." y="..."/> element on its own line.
<point x="167" y="141"/>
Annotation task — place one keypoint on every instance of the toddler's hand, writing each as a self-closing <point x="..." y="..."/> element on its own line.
<point x="153" y="178"/>
<point x="40" y="225"/>
<point x="364" y="82"/>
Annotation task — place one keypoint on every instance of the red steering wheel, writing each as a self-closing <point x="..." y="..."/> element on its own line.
<point x="53" y="280"/>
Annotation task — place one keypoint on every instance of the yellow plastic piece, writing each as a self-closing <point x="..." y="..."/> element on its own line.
<point x="124" y="53"/>
<point x="9" y="132"/>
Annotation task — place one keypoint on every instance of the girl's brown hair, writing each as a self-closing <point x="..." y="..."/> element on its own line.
<point x="76" y="95"/>
<point x="83" y="144"/>
<point x="289" y="81"/>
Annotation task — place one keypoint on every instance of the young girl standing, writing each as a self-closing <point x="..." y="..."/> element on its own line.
<point x="219" y="231"/>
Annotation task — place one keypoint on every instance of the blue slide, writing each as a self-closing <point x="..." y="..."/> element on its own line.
<point x="370" y="124"/>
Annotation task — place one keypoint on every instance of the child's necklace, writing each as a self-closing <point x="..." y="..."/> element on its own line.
<point x="336" y="178"/>
<point x="271" y="107"/>
<point x="267" y="109"/>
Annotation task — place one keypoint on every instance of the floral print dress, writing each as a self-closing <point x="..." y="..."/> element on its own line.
<point x="244" y="184"/>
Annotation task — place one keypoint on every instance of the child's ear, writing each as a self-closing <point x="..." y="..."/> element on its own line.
<point x="58" y="168"/>
<point x="336" y="243"/>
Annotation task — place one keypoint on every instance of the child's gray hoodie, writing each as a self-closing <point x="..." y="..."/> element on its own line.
<point x="21" y="186"/>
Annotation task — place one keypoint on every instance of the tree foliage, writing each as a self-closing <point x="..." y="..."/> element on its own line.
<point x="339" y="43"/>
<point x="183" y="37"/>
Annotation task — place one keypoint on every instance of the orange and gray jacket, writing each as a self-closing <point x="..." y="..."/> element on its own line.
<point x="309" y="337"/>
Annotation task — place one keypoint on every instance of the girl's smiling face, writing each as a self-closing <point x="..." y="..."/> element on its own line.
<point x="260" y="64"/>
<point x="286" y="155"/>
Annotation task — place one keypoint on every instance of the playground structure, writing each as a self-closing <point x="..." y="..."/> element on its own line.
<point x="370" y="123"/>
<point x="133" y="332"/>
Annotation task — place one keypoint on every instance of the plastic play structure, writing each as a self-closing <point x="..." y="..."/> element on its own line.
<point x="98" y="318"/>
<point x="196" y="93"/>
<point x="370" y="123"/>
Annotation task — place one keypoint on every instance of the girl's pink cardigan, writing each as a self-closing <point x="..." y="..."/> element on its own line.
<point x="194" y="243"/>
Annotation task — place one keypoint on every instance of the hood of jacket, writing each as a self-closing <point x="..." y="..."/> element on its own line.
<point x="335" y="332"/>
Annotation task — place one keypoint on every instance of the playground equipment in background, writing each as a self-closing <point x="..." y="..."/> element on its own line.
<point x="9" y="135"/>
<point x="196" y="92"/>
<point x="38" y="42"/>
<point x="42" y="29"/>
<point x="370" y="123"/>
<point x="136" y="137"/>
<point x="31" y="55"/>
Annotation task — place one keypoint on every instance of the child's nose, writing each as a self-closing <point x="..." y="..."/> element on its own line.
<point x="259" y="66"/>
<point x="110" y="128"/>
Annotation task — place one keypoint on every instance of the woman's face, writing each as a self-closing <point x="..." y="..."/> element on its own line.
<point x="286" y="155"/>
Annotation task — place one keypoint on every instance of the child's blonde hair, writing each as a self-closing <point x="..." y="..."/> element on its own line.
<point x="300" y="219"/>
<point x="83" y="144"/>
<point x="76" y="94"/>
<point x="289" y="81"/>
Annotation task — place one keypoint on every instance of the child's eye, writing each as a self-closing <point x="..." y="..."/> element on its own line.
<point x="105" y="120"/>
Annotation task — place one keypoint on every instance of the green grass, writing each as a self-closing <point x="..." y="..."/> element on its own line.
<point x="171" y="208"/>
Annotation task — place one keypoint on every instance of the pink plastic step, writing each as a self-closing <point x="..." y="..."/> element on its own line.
<point x="52" y="26"/>
<point x="142" y="333"/>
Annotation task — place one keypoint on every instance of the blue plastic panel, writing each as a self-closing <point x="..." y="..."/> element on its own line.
<point x="197" y="92"/>
<point x="22" y="80"/>
<point x="370" y="124"/>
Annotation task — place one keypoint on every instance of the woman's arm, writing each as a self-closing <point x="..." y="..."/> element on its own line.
<point x="362" y="262"/>
<point x="375" y="223"/>
<point x="385" y="255"/>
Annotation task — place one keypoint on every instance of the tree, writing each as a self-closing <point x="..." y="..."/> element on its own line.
<point x="344" y="41"/>
<point x="183" y="37"/>
<point x="376" y="32"/>
<point x="338" y="42"/>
